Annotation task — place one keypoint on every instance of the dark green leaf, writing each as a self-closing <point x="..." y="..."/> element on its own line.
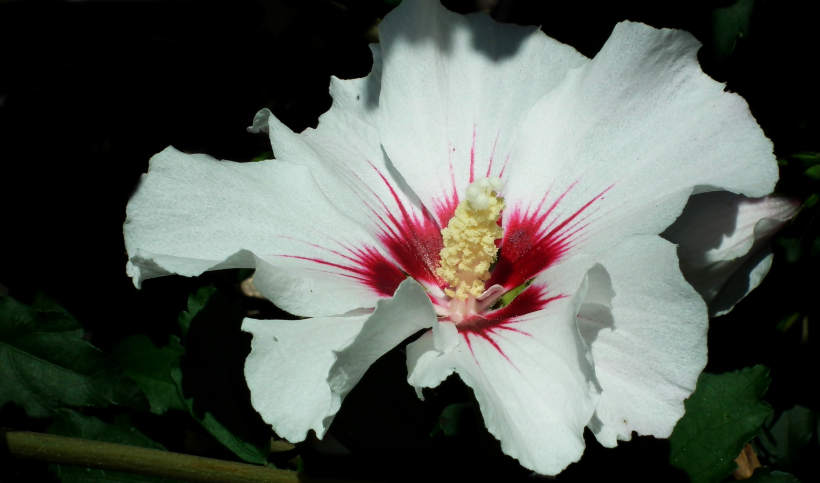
<point x="806" y="157"/>
<point x="811" y="200"/>
<point x="766" y="475"/>
<point x="723" y="414"/>
<point x="72" y="424"/>
<point x="195" y="304"/>
<point x="75" y="425"/>
<point x="45" y="364"/>
<point x="787" y="322"/>
<point x="150" y="367"/>
<point x="813" y="172"/>
<point x="792" y="247"/>
<point x="785" y="435"/>
<point x="451" y="418"/>
<point x="211" y="375"/>
<point x="729" y="24"/>
<point x="815" y="247"/>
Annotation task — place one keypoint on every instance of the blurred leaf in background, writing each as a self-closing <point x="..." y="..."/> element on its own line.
<point x="150" y="367"/>
<point x="729" y="24"/>
<point x="72" y="424"/>
<point x="211" y="375"/>
<point x="45" y="364"/>
<point x="785" y="436"/>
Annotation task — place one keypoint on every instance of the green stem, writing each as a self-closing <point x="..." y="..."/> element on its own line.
<point x="131" y="459"/>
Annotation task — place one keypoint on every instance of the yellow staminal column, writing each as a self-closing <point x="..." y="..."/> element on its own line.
<point x="469" y="245"/>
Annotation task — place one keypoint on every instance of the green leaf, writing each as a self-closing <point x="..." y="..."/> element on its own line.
<point x="195" y="304"/>
<point x="792" y="247"/>
<point x="813" y="172"/>
<point x="263" y="156"/>
<point x="512" y="294"/>
<point x="785" y="436"/>
<point x="815" y="247"/>
<point x="787" y="322"/>
<point x="75" y="425"/>
<point x="150" y="367"/>
<point x="45" y="364"/>
<point x="723" y="414"/>
<point x="729" y="24"/>
<point x="72" y="424"/>
<point x="451" y="417"/>
<point x="807" y="158"/>
<point x="811" y="200"/>
<point x="211" y="375"/>
<point x="767" y="475"/>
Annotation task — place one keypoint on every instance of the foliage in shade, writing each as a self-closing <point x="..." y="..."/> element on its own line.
<point x="45" y="364"/>
<point x="450" y="419"/>
<point x="722" y="415"/>
<point x="767" y="475"/>
<point x="730" y="24"/>
<point x="196" y="303"/>
<point x="150" y="367"/>
<point x="205" y="377"/>
<point x="75" y="425"/>
<point x="211" y="375"/>
<point x="785" y="436"/>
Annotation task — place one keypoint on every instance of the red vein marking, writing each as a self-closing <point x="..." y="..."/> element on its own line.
<point x="472" y="157"/>
<point x="504" y="166"/>
<point x="488" y="325"/>
<point x="374" y="270"/>
<point x="492" y="155"/>
<point x="414" y="242"/>
<point x="529" y="247"/>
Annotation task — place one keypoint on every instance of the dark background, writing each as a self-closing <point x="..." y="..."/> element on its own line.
<point x="89" y="91"/>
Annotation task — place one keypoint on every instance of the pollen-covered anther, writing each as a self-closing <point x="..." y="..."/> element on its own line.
<point x="469" y="239"/>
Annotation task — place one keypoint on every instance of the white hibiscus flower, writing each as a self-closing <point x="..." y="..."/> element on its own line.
<point x="594" y="158"/>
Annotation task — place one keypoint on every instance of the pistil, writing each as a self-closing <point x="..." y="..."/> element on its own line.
<point x="469" y="245"/>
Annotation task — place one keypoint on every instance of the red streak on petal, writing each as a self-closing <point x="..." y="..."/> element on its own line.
<point x="414" y="242"/>
<point x="488" y="325"/>
<point x="504" y="166"/>
<point x="530" y="245"/>
<point x="492" y="155"/>
<point x="368" y="267"/>
<point x="472" y="158"/>
<point x="446" y="208"/>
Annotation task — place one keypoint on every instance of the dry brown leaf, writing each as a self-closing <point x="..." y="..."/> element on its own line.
<point x="746" y="463"/>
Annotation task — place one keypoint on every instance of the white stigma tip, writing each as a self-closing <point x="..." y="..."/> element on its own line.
<point x="480" y="202"/>
<point x="478" y="192"/>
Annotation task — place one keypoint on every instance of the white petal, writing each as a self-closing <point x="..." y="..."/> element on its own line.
<point x="454" y="91"/>
<point x="746" y="278"/>
<point x="531" y="375"/>
<point x="394" y="320"/>
<point x="719" y="232"/>
<point x="624" y="140"/>
<point x="192" y="213"/>
<point x="648" y="341"/>
<point x="287" y="370"/>
<point x="300" y="371"/>
<point x="347" y="161"/>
